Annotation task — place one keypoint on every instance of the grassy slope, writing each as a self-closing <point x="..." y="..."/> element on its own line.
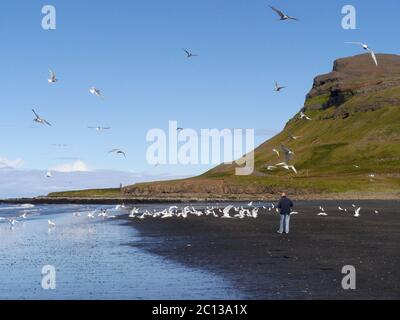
<point x="94" y="193"/>
<point x="329" y="149"/>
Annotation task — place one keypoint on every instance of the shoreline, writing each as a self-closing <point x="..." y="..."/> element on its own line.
<point x="194" y="199"/>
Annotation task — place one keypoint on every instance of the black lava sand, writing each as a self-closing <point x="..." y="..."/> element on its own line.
<point x="306" y="264"/>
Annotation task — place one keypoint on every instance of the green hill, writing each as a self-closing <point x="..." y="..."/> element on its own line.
<point x="352" y="144"/>
<point x="350" y="148"/>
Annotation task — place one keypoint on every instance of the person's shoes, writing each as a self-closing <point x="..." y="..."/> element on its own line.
<point x="280" y="232"/>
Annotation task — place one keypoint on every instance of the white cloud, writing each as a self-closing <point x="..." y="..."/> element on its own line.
<point x="77" y="166"/>
<point x="9" y="164"/>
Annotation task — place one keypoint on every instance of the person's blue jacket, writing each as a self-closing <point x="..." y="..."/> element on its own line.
<point x="285" y="205"/>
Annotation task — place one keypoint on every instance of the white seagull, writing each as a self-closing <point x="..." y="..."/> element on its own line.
<point x="277" y="152"/>
<point x="357" y="213"/>
<point x="283" y="16"/>
<point x="53" y="78"/>
<point x="226" y="212"/>
<point x="292" y="137"/>
<point x="98" y="129"/>
<point x="278" y="88"/>
<point x="24" y="215"/>
<point x="190" y="54"/>
<point x="91" y="215"/>
<point x="288" y="153"/>
<point x="49" y="174"/>
<point x="51" y="223"/>
<point x="291" y="167"/>
<point x="118" y="152"/>
<point x="304" y="116"/>
<point x="134" y="212"/>
<point x="40" y="120"/>
<point x="13" y="222"/>
<point x="96" y="92"/>
<point x="367" y="48"/>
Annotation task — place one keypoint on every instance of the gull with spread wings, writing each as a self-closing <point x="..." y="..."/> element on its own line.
<point x="367" y="48"/>
<point x="278" y="88"/>
<point x="118" y="152"/>
<point x="53" y="78"/>
<point x="190" y="54"/>
<point x="40" y="120"/>
<point x="99" y="128"/>
<point x="283" y="16"/>
<point x="288" y="153"/>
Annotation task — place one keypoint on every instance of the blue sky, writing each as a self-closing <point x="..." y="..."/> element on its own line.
<point x="132" y="51"/>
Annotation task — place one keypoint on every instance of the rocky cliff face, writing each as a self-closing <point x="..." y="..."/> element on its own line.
<point x="355" y="76"/>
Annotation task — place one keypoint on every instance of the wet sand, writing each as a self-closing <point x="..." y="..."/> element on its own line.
<point x="306" y="264"/>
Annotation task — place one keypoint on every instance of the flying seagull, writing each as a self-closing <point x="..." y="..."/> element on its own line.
<point x="288" y="153"/>
<point x="96" y="92"/>
<point x="99" y="128"/>
<point x="39" y="119"/>
<point x="277" y="152"/>
<point x="13" y="222"/>
<point x="53" y="78"/>
<point x="119" y="152"/>
<point x="357" y="213"/>
<point x="367" y="48"/>
<point x="304" y="116"/>
<point x="51" y="223"/>
<point x="189" y="54"/>
<point x="292" y="137"/>
<point x="278" y="88"/>
<point x="288" y="167"/>
<point x="282" y="15"/>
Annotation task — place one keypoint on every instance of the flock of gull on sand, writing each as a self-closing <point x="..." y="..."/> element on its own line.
<point x="250" y="211"/>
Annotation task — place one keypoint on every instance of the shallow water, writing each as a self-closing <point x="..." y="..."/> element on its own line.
<point x="92" y="260"/>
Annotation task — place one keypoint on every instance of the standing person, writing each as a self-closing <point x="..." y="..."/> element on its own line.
<point x="285" y="205"/>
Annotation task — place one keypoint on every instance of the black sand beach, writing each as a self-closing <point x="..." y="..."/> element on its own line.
<point x="306" y="264"/>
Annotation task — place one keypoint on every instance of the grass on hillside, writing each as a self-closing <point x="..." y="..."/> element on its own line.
<point x="93" y="193"/>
